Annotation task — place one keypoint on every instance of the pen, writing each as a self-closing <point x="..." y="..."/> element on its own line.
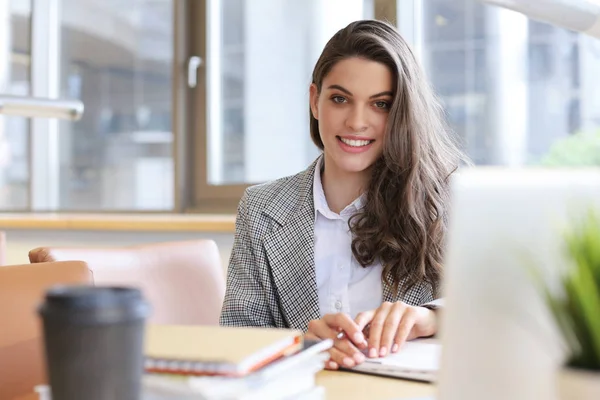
<point x="342" y="335"/>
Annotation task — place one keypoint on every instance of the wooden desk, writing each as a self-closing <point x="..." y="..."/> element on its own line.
<point x="350" y="385"/>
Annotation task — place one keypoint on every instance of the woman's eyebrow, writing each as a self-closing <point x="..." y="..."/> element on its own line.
<point x="343" y="89"/>
<point x="386" y="93"/>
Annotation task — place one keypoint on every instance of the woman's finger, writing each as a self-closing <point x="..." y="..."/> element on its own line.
<point x="346" y="347"/>
<point x="404" y="329"/>
<point x="363" y="319"/>
<point x="377" y="328"/>
<point x="331" y="365"/>
<point x="319" y="329"/>
<point x="342" y="322"/>
<point x="390" y="327"/>
<point x="311" y="336"/>
<point x="341" y="358"/>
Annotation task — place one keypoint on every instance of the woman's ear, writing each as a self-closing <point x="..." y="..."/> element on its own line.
<point x="314" y="101"/>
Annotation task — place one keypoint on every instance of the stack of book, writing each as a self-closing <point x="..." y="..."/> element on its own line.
<point x="217" y="363"/>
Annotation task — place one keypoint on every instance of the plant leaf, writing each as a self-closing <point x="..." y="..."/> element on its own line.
<point x="586" y="293"/>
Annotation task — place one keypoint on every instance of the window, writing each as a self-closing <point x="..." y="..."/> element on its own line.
<point x="151" y="140"/>
<point x="512" y="87"/>
<point x="15" y="17"/>
<point x="260" y="57"/>
<point x="117" y="57"/>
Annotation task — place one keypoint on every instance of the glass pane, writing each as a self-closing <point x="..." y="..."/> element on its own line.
<point x="517" y="91"/>
<point x="15" y="20"/>
<point x="451" y="21"/>
<point x="260" y="58"/>
<point x="117" y="57"/>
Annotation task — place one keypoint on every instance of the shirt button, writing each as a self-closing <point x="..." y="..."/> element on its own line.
<point x="338" y="305"/>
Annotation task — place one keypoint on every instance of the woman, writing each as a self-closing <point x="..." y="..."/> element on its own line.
<point x="354" y="243"/>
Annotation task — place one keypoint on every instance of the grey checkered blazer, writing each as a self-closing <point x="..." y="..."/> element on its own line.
<point x="271" y="278"/>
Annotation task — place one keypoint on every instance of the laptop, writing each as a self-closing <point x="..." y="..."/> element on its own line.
<point x="498" y="340"/>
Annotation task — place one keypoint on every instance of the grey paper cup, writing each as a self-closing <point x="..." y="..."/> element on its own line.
<point x="93" y="338"/>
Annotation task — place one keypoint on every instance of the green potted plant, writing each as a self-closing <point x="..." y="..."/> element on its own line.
<point x="577" y="150"/>
<point x="575" y="307"/>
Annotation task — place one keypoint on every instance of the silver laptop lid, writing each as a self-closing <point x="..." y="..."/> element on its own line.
<point x="498" y="341"/>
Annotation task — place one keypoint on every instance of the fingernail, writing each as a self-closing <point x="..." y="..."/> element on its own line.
<point x="382" y="352"/>
<point x="348" y="362"/>
<point x="395" y="347"/>
<point x="359" y="337"/>
<point x="359" y="357"/>
<point x="332" y="365"/>
<point x="373" y="352"/>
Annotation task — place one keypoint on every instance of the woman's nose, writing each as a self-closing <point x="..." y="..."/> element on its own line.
<point x="357" y="120"/>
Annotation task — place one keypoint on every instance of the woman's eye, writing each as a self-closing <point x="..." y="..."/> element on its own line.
<point x="338" y="99"/>
<point x="382" y="104"/>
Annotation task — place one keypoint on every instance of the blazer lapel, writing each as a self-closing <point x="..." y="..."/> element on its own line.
<point x="290" y="250"/>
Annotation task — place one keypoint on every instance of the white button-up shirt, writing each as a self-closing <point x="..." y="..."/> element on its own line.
<point x="343" y="284"/>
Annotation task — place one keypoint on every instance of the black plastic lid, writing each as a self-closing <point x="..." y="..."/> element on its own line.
<point x="94" y="304"/>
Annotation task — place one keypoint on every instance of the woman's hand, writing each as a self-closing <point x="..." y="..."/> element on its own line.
<point x="345" y="351"/>
<point x="393" y="323"/>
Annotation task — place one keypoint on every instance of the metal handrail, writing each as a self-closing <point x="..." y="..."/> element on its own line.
<point x="36" y="107"/>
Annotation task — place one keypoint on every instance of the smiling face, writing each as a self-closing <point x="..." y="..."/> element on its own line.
<point x="352" y="111"/>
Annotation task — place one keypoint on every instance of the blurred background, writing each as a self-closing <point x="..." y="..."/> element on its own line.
<point x="188" y="102"/>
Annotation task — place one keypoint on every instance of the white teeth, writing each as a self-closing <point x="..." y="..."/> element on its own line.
<point x="355" y="143"/>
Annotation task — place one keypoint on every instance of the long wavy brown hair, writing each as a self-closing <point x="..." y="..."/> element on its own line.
<point x="403" y="222"/>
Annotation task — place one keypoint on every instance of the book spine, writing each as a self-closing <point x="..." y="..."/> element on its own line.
<point x="179" y="367"/>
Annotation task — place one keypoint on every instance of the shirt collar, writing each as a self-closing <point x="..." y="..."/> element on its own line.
<point x="320" y="202"/>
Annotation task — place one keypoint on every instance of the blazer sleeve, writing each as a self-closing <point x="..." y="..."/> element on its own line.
<point x="429" y="300"/>
<point x="435" y="304"/>
<point x="245" y="302"/>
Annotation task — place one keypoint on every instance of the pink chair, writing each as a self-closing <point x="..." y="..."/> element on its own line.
<point x="184" y="281"/>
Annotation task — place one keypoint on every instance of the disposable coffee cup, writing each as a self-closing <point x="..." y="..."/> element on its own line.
<point x="93" y="339"/>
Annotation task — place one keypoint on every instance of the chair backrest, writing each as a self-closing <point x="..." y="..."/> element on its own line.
<point x="22" y="289"/>
<point x="183" y="281"/>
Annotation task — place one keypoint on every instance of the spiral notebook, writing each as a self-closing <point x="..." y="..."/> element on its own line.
<point x="285" y="378"/>
<point x="215" y="350"/>
<point x="417" y="360"/>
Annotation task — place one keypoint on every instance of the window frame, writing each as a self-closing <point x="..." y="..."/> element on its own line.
<point x="206" y="197"/>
